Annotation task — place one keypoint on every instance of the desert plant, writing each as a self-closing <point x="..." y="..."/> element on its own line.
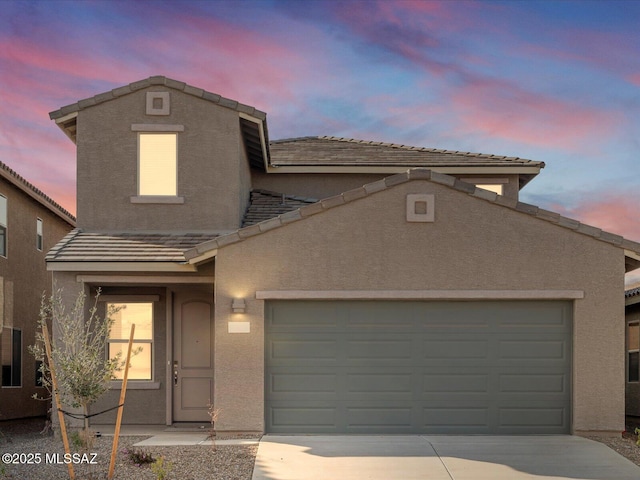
<point x="138" y="456"/>
<point x="637" y="432"/>
<point x="78" y="353"/>
<point x="213" y="416"/>
<point x="161" y="467"/>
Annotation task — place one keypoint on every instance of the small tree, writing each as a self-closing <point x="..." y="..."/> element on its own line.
<point x="82" y="368"/>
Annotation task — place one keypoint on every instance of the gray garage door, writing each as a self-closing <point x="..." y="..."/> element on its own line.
<point x="500" y="367"/>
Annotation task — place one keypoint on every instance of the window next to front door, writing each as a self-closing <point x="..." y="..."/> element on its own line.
<point x="140" y="314"/>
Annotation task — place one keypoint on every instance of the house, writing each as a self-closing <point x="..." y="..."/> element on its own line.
<point x="632" y="325"/>
<point x="322" y="284"/>
<point x="30" y="224"/>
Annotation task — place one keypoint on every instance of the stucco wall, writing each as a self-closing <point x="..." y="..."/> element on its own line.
<point x="208" y="174"/>
<point x="24" y="280"/>
<point x="472" y="245"/>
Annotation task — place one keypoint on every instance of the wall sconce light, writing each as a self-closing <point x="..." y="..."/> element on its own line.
<point x="238" y="305"/>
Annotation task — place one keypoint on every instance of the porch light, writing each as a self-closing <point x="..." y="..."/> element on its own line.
<point x="238" y="305"/>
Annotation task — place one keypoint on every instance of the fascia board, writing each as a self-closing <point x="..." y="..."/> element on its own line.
<point x="119" y="267"/>
<point x="385" y="169"/>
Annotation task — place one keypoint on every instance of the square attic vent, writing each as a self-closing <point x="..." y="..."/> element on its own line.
<point x="420" y="207"/>
<point x="158" y="103"/>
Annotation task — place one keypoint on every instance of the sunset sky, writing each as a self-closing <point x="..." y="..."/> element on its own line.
<point x="555" y="81"/>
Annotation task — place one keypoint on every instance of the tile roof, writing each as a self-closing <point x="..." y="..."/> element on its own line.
<point x="35" y="193"/>
<point x="264" y="205"/>
<point x="632" y="292"/>
<point x="322" y="151"/>
<point x="157" y="80"/>
<point x="410" y="175"/>
<point x="79" y="246"/>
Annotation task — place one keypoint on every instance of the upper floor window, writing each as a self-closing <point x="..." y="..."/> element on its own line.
<point x="39" y="236"/>
<point x="157" y="164"/>
<point x="3" y="226"/>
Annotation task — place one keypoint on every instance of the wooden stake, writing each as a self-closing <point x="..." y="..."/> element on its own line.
<point x="123" y="392"/>
<point x="54" y="383"/>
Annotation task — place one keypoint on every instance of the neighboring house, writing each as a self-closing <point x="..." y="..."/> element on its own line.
<point x="30" y="224"/>
<point x="323" y="284"/>
<point x="632" y="323"/>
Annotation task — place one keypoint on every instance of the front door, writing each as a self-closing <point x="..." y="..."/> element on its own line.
<point x="192" y="370"/>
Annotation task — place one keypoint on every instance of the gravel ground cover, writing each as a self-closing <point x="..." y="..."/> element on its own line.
<point x="197" y="462"/>
<point x="194" y="462"/>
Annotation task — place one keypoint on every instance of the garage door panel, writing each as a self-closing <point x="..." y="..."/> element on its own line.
<point x="449" y="367"/>
<point x="306" y="417"/>
<point x="294" y="316"/>
<point x="311" y="383"/>
<point x="378" y="350"/>
<point x="388" y="417"/>
<point x="455" y="383"/>
<point x="379" y="383"/>
<point x="530" y="417"/>
<point x="455" y="348"/>
<point x="532" y="349"/>
<point x="433" y="418"/>
<point x="534" y="383"/>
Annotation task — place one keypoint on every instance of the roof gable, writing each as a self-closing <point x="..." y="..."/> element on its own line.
<point x="208" y="249"/>
<point x="38" y="195"/>
<point x="253" y="122"/>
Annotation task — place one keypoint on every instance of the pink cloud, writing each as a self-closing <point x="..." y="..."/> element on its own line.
<point x="634" y="78"/>
<point x="503" y="110"/>
<point x="615" y="213"/>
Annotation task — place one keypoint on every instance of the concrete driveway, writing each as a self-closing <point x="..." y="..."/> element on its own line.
<point x="408" y="457"/>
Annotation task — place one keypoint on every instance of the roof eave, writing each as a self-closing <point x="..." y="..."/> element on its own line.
<point x="80" y="266"/>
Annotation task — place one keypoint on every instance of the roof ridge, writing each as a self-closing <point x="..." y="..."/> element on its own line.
<point x="151" y="81"/>
<point x="406" y="147"/>
<point x="410" y="175"/>
<point x="22" y="183"/>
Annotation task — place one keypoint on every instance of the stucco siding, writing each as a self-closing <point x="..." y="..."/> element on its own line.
<point x="208" y="173"/>
<point x="24" y="281"/>
<point x="368" y="244"/>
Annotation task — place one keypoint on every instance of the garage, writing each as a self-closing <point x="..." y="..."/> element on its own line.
<point x="456" y="367"/>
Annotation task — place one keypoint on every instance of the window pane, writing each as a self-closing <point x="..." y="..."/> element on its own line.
<point x="3" y="241"/>
<point x="634" y="367"/>
<point x="158" y="164"/>
<point x="497" y="188"/>
<point x="3" y="211"/>
<point x="11" y="356"/>
<point x="16" y="367"/>
<point x="140" y="365"/>
<point x="633" y="337"/>
<point x="139" y="313"/>
<point x="39" y="234"/>
<point x="5" y="356"/>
